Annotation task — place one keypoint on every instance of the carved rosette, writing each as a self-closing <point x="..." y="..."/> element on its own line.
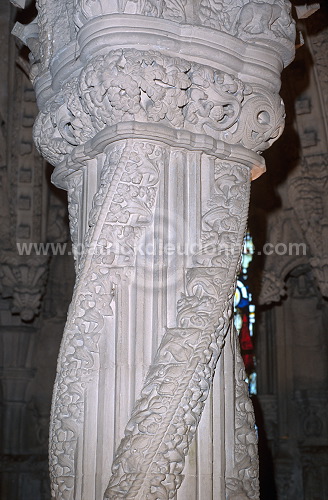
<point x="155" y="114"/>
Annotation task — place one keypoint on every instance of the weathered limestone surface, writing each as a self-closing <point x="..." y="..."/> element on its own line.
<point x="155" y="114"/>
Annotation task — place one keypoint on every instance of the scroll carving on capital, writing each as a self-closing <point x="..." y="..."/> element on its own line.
<point x="273" y="288"/>
<point x="130" y="85"/>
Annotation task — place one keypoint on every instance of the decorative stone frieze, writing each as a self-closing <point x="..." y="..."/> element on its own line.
<point x="154" y="115"/>
<point x="256" y="22"/>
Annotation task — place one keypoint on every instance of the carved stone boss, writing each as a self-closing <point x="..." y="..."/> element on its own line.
<point x="154" y="114"/>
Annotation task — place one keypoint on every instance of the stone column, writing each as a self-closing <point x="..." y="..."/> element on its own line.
<point x="154" y="114"/>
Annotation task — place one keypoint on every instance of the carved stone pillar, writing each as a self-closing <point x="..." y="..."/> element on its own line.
<point x="154" y="114"/>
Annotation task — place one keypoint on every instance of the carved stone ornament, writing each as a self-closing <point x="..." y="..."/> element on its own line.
<point x="307" y="192"/>
<point x="282" y="227"/>
<point x="154" y="114"/>
<point x="23" y="278"/>
<point x="304" y="228"/>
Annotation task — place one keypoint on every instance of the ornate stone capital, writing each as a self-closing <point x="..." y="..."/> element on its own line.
<point x="263" y="23"/>
<point x="219" y="84"/>
<point x="128" y="85"/>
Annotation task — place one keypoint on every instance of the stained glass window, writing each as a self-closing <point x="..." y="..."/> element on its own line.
<point x="244" y="317"/>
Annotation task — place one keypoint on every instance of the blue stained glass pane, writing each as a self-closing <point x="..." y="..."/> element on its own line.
<point x="244" y="317"/>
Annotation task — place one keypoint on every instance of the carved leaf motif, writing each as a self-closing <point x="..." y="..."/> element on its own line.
<point x="181" y="374"/>
<point x="175" y="10"/>
<point x="217" y="14"/>
<point x="244" y="483"/>
<point x="132" y="85"/>
<point x="249" y="20"/>
<point x="92" y="302"/>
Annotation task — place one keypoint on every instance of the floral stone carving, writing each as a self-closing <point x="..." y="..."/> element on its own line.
<point x="129" y="85"/>
<point x="155" y="115"/>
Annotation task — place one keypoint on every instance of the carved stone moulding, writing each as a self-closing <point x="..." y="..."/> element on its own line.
<point x="307" y="192"/>
<point x="155" y="133"/>
<point x="266" y="23"/>
<point x="84" y="165"/>
<point x="259" y="63"/>
<point x="128" y="85"/>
